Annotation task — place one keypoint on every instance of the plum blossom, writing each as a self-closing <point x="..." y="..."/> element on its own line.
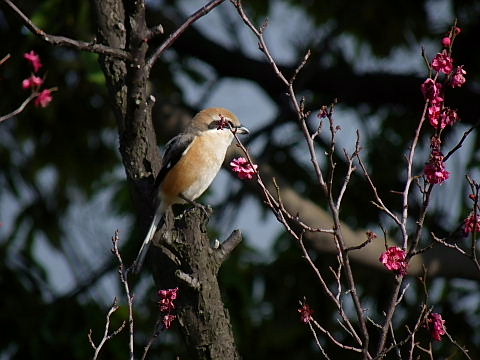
<point x="440" y="118"/>
<point x="395" y="259"/>
<point x="443" y="63"/>
<point x="44" y="98"/>
<point x="167" y="298"/>
<point x="167" y="320"/>
<point x="471" y="224"/>
<point x="243" y="168"/>
<point x="458" y="78"/>
<point x="306" y="313"/>
<point x="434" y="114"/>
<point x="34" y="59"/>
<point x="323" y="112"/>
<point x="167" y="305"/>
<point x="32" y="82"/>
<point x="435" y="170"/>
<point x="449" y="117"/>
<point x="432" y="90"/>
<point x="436" y="325"/>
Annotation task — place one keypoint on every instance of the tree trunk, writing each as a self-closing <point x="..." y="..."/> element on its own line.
<point x="185" y="258"/>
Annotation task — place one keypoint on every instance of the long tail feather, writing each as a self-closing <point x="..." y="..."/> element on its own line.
<point x="137" y="265"/>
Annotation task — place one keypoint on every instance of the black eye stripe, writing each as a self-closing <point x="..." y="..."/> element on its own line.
<point x="216" y="123"/>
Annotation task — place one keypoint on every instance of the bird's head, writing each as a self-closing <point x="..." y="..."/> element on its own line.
<point x="218" y="118"/>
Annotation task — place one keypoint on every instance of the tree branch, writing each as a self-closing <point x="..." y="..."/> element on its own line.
<point x="175" y="35"/>
<point x="20" y="108"/>
<point x="67" y="42"/>
<point x="226" y="248"/>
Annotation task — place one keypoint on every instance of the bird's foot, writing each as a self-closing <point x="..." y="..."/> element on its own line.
<point x="207" y="210"/>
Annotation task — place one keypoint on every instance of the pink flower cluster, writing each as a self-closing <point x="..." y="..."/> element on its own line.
<point x="458" y="78"/>
<point x="435" y="170"/>
<point x="167" y="305"/>
<point x="243" y="168"/>
<point x="439" y="115"/>
<point x="306" y="313"/>
<point x="443" y="62"/>
<point x="471" y="224"/>
<point x="395" y="259"/>
<point x="34" y="82"/>
<point x="436" y="325"/>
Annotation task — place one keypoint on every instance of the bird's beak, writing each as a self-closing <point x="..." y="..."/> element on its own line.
<point x="242" y="130"/>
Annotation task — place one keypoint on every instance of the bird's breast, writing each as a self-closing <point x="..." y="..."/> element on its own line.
<point x="197" y="168"/>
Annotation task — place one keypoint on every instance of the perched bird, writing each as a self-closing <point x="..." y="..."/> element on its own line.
<point x="191" y="161"/>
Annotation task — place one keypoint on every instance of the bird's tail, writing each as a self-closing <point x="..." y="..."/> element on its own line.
<point x="137" y="264"/>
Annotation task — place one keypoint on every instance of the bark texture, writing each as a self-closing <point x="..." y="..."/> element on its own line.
<point x="185" y="258"/>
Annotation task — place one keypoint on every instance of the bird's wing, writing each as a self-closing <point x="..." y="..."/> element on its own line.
<point x="174" y="150"/>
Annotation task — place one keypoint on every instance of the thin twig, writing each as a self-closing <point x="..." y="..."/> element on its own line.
<point x="157" y="330"/>
<point x="317" y="341"/>
<point x="329" y="293"/>
<point x="332" y="338"/>
<point x="106" y="336"/>
<point x="4" y="59"/>
<point x="461" y="141"/>
<point x="406" y="191"/>
<point x="204" y="10"/>
<point x="350" y="170"/>
<point x="462" y="349"/>
<point x="67" y="42"/>
<point x="379" y="202"/>
<point x="302" y="115"/>
<point x="277" y="205"/>
<point x="122" y="271"/>
<point x="20" y="108"/>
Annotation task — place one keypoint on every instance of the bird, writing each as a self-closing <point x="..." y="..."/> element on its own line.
<point x="191" y="161"/>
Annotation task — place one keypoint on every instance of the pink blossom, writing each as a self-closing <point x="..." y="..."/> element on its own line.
<point x="323" y="112"/>
<point x="167" y="320"/>
<point x="436" y="325"/>
<point x="434" y="113"/>
<point x="441" y="118"/>
<point x="243" y="168"/>
<point x="395" y="259"/>
<point x="471" y="224"/>
<point x="32" y="82"/>
<point x="44" y="98"/>
<point x="446" y="41"/>
<point x="306" y="313"/>
<point x="432" y="90"/>
<point x="443" y="63"/>
<point x="448" y="117"/>
<point x="34" y="58"/>
<point x="167" y="298"/>
<point x="458" y="78"/>
<point x="435" y="169"/>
